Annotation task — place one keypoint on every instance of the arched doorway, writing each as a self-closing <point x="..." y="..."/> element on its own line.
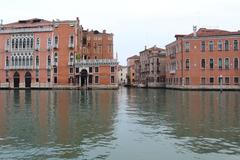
<point x="84" y="75"/>
<point x="28" y="80"/>
<point x="16" y="80"/>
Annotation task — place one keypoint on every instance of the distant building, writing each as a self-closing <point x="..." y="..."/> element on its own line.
<point x="152" y="67"/>
<point x="131" y="70"/>
<point x="122" y="75"/>
<point x="37" y="53"/>
<point x="204" y="59"/>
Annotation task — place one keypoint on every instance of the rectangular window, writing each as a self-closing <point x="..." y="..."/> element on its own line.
<point x="187" y="81"/>
<point x="55" y="70"/>
<point x="96" y="79"/>
<point x="236" y="80"/>
<point x="90" y="69"/>
<point x="227" y="80"/>
<point x="187" y="64"/>
<point x="187" y="47"/>
<point x="203" y="63"/>
<point x="220" y="63"/>
<point x="226" y="44"/>
<point x="211" y="63"/>
<point x="55" y="79"/>
<point x="112" y="79"/>
<point x="220" y="80"/>
<point x="71" y="70"/>
<point x="211" y="80"/>
<point x="112" y="69"/>
<point x="77" y="70"/>
<point x="90" y="79"/>
<point x="37" y="80"/>
<point x="211" y="46"/>
<point x="203" y="81"/>
<point x="203" y="46"/>
<point x="220" y="46"/>
<point x="235" y="45"/>
<point x="235" y="63"/>
<point x="96" y="69"/>
<point x="226" y="63"/>
<point x="49" y="80"/>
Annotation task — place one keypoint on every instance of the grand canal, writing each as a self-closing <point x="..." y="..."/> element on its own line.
<point x="130" y="124"/>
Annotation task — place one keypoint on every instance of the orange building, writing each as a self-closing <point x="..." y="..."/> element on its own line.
<point x="37" y="53"/>
<point x="131" y="70"/>
<point x="204" y="59"/>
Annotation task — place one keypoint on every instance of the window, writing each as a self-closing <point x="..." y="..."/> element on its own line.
<point x="55" y="70"/>
<point x="55" y="79"/>
<point x="211" y="63"/>
<point x="96" y="79"/>
<point x="90" y="69"/>
<point x="28" y="43"/>
<point x="112" y="69"/>
<point x="220" y="80"/>
<point x="24" y="43"/>
<point x="71" y="57"/>
<point x="49" y="61"/>
<point x="7" y="61"/>
<point x="77" y="70"/>
<point x="49" y="43"/>
<point x="226" y="80"/>
<point x="37" y="44"/>
<point x="90" y="79"/>
<point x="20" y="44"/>
<point x="49" y="80"/>
<point x="56" y="42"/>
<point x="16" y="43"/>
<point x="71" y="40"/>
<point x="203" y="46"/>
<point x="235" y="63"/>
<point x="211" y="46"/>
<point x="203" y="80"/>
<point x="96" y="69"/>
<point x="71" y="70"/>
<point x="20" y="61"/>
<point x="187" y="46"/>
<point x="220" y="63"/>
<point x="112" y="79"/>
<point x="37" y="61"/>
<point x="48" y="72"/>
<point x="187" y="81"/>
<point x="236" y="80"/>
<point x="226" y="45"/>
<point x="31" y="44"/>
<point x="235" y="45"/>
<point x="226" y="63"/>
<point x="203" y="64"/>
<point x="211" y="80"/>
<point x="55" y="58"/>
<point x="187" y="64"/>
<point x="220" y="46"/>
<point x="13" y="42"/>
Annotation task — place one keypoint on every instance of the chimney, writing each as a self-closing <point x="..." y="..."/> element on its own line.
<point x="195" y="31"/>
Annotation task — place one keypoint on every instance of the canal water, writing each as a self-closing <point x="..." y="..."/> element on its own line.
<point x="130" y="124"/>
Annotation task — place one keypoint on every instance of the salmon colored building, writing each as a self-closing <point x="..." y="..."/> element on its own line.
<point x="37" y="53"/>
<point x="204" y="59"/>
<point x="131" y="70"/>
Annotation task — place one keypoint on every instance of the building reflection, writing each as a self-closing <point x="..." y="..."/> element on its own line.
<point x="58" y="117"/>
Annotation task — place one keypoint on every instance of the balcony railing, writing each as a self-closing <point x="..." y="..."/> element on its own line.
<point x="172" y="71"/>
<point x="71" y="45"/>
<point x="26" y="30"/>
<point x="19" y="67"/>
<point x="95" y="62"/>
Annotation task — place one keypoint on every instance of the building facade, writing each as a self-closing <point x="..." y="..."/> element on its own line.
<point x="204" y="59"/>
<point x="37" y="53"/>
<point x="152" y="67"/>
<point x="131" y="70"/>
<point x="122" y="75"/>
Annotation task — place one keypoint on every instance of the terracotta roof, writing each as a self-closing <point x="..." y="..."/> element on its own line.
<point x="134" y="57"/>
<point x="203" y="32"/>
<point x="35" y="22"/>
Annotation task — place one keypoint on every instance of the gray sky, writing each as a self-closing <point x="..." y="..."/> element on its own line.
<point x="135" y="23"/>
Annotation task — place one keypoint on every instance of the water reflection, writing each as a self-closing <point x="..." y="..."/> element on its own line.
<point x="203" y="122"/>
<point x="55" y="123"/>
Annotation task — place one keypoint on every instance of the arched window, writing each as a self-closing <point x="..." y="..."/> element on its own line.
<point x="20" y="43"/>
<point x="37" y="61"/>
<point x="31" y="60"/>
<point x="226" y="45"/>
<point x="24" y="61"/>
<point x="16" y="61"/>
<point x="31" y="45"/>
<point x="13" y="42"/>
<point x="13" y="61"/>
<point x="226" y="63"/>
<point x="220" y="63"/>
<point x="71" y="57"/>
<point x="37" y="44"/>
<point x="24" y="43"/>
<point x="56" y="42"/>
<point x="7" y="61"/>
<point x="20" y="61"/>
<point x="235" y="45"/>
<point x="27" y="61"/>
<point x="28" y="42"/>
<point x="235" y="63"/>
<point x="16" y="44"/>
<point x="49" y="61"/>
<point x="55" y="57"/>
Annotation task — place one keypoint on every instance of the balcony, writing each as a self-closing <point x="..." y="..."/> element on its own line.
<point x="18" y="67"/>
<point x="70" y="63"/>
<point x="96" y="62"/>
<point x="71" y="45"/>
<point x="172" y="71"/>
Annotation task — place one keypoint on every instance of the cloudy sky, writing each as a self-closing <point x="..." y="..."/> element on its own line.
<point x="135" y="23"/>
